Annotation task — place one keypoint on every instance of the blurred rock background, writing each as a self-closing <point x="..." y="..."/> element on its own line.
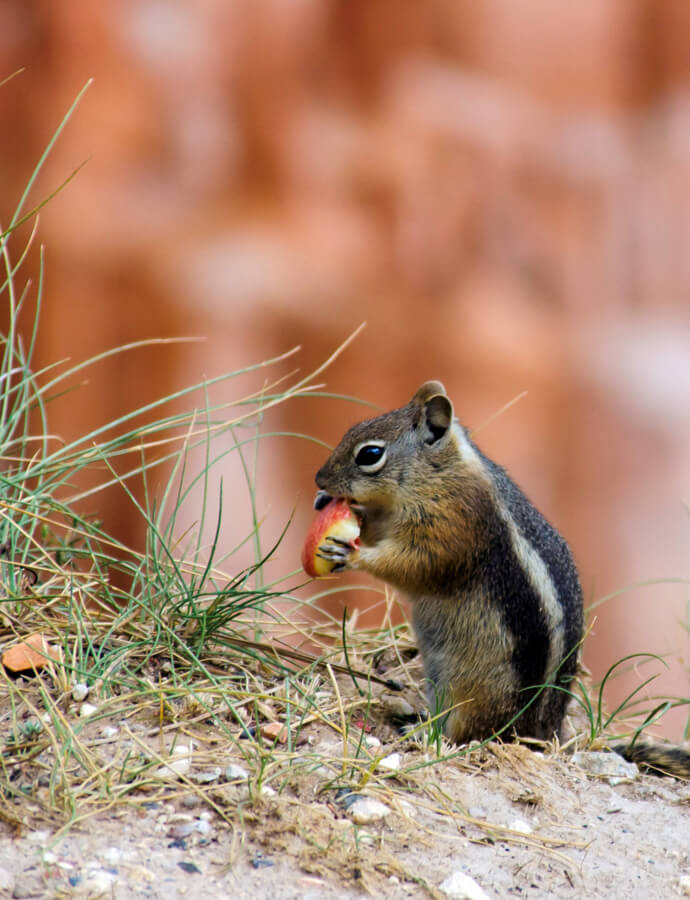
<point x="501" y="190"/>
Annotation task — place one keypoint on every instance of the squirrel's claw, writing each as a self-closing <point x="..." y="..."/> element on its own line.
<point x="339" y="541"/>
<point x="335" y="551"/>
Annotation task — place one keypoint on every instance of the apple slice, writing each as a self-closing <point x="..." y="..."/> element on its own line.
<point x="334" y="520"/>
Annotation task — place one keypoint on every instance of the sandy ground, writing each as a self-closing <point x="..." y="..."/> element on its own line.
<point x="519" y="823"/>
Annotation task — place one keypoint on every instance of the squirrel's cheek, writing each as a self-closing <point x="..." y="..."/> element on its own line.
<point x="337" y="522"/>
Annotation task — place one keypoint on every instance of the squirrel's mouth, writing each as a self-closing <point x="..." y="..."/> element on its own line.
<point x="323" y="498"/>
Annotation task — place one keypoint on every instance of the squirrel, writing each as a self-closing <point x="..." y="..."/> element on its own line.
<point x="497" y="606"/>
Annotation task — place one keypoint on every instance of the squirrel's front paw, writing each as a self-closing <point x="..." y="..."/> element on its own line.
<point x="338" y="553"/>
<point x="331" y="540"/>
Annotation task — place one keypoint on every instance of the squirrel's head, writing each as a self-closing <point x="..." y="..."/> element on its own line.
<point x="379" y="460"/>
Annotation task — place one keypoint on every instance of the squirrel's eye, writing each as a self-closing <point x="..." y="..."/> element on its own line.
<point x="371" y="456"/>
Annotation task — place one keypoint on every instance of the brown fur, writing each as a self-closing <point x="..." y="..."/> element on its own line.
<point x="496" y="601"/>
<point x="431" y="526"/>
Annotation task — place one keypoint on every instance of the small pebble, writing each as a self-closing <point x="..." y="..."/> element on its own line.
<point x="684" y="885"/>
<point x="390" y="763"/>
<point x="234" y="772"/>
<point x="190" y="868"/>
<point x="99" y="881"/>
<point x="109" y="731"/>
<point x="6" y="882"/>
<point x="461" y="886"/>
<point x="520" y="826"/>
<point x="111" y="856"/>
<point x="80" y="691"/>
<point x="179" y="832"/>
<point x="38" y="837"/>
<point x="206" y="777"/>
<point x="176" y="767"/>
<point x="371" y="741"/>
<point x="177" y="818"/>
<point x="87" y="709"/>
<point x="275" y="731"/>
<point x="609" y="765"/>
<point x="365" y="810"/>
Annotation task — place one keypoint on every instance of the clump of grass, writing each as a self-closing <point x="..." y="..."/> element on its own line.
<point x="152" y="630"/>
<point x="632" y="714"/>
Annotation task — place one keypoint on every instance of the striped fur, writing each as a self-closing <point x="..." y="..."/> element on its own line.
<point x="496" y="600"/>
<point x="497" y="605"/>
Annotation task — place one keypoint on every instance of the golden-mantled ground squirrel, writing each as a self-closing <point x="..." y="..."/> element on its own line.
<point x="496" y="600"/>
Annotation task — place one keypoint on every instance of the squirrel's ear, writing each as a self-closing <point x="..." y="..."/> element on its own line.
<point x="435" y="411"/>
<point x="426" y="391"/>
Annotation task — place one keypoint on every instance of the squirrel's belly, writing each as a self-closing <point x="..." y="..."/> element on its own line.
<point x="467" y="655"/>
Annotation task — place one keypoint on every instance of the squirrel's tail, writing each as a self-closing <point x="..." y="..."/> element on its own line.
<point x="660" y="759"/>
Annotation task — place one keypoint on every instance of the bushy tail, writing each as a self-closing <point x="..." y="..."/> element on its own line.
<point x="660" y="759"/>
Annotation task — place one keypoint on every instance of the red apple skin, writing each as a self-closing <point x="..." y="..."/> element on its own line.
<point x="336" y="519"/>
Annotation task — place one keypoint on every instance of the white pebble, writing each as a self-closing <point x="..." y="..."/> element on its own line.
<point x="109" y="731"/>
<point x="233" y="772"/>
<point x="461" y="886"/>
<point x="371" y="741"/>
<point x="98" y="882"/>
<point x="87" y="709"/>
<point x="267" y="790"/>
<point x="80" y="691"/>
<point x="6" y="882"/>
<point x="39" y="837"/>
<point x="176" y="767"/>
<point x="684" y="885"/>
<point x="111" y="855"/>
<point x="520" y="826"/>
<point x="365" y="810"/>
<point x="390" y="763"/>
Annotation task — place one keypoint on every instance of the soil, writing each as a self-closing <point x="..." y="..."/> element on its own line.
<point x="520" y="823"/>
